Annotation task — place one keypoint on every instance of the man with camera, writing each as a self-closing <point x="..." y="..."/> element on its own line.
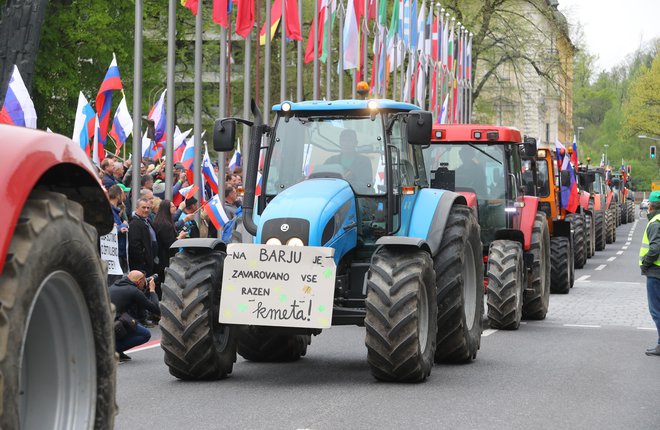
<point x="130" y="295"/>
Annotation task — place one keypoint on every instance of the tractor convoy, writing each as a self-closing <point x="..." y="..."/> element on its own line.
<point x="364" y="212"/>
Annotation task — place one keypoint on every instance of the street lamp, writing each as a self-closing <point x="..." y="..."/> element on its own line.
<point x="577" y="139"/>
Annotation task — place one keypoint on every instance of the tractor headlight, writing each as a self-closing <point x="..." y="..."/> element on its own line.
<point x="372" y="105"/>
<point x="273" y="241"/>
<point x="286" y="107"/>
<point x="295" y="241"/>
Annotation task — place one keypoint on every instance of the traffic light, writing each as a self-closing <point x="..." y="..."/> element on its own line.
<point x="652" y="151"/>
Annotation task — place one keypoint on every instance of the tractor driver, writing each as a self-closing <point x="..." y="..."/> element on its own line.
<point x="357" y="167"/>
<point x="470" y="174"/>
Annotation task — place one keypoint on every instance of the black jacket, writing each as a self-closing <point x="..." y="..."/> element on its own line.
<point x="126" y="297"/>
<point x="141" y="251"/>
<point x="166" y="235"/>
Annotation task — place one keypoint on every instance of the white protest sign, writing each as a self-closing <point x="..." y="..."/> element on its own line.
<point x="110" y="252"/>
<point x="281" y="286"/>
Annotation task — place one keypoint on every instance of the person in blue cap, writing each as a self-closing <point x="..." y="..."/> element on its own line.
<point x="649" y="262"/>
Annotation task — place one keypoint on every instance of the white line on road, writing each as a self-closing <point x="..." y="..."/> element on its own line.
<point x="645" y="328"/>
<point x="601" y="267"/>
<point x="624" y="247"/>
<point x="611" y="259"/>
<point x="582" y="325"/>
<point x="582" y="278"/>
<point x="619" y="252"/>
<point x="488" y="332"/>
<point x="628" y="243"/>
<point x="629" y="283"/>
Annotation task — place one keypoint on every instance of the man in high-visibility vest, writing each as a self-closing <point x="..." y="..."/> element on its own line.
<point x="649" y="262"/>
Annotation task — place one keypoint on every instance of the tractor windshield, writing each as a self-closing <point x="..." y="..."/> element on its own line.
<point x="477" y="168"/>
<point x="543" y="178"/>
<point x="346" y="147"/>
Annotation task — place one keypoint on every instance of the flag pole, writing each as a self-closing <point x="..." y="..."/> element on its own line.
<point x="267" y="59"/>
<point x="197" y="132"/>
<point x="283" y="53"/>
<point x="376" y="58"/>
<point x="171" y="52"/>
<point x="340" y="12"/>
<point x="222" y="104"/>
<point x="365" y="30"/>
<point x="299" y="61"/>
<point x="470" y="81"/>
<point x="315" y="38"/>
<point x="246" y="96"/>
<point x="328" y="54"/>
<point x="137" y="104"/>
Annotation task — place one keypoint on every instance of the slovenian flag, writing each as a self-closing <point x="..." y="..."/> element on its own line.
<point x="189" y="191"/>
<point x="157" y="115"/>
<point x="83" y="128"/>
<point x="235" y="159"/>
<point x="122" y="125"/>
<point x="179" y="143"/>
<point x="208" y="172"/>
<point x="18" y="108"/>
<point x="110" y="83"/>
<point x="216" y="212"/>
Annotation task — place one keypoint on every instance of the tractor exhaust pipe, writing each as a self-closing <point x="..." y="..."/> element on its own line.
<point x="252" y="167"/>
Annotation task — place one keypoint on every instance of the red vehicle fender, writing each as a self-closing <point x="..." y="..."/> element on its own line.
<point x="470" y="197"/>
<point x="32" y="157"/>
<point x="527" y="219"/>
<point x="584" y="199"/>
<point x="596" y="202"/>
<point x="608" y="200"/>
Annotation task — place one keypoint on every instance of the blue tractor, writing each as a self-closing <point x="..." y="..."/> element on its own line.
<point x="340" y="205"/>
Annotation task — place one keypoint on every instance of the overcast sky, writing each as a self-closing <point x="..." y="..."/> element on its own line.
<point x="614" y="28"/>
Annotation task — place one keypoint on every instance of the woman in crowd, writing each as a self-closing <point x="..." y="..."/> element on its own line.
<point x="166" y="235"/>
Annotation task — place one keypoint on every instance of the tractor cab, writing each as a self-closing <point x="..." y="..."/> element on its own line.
<point x="484" y="164"/>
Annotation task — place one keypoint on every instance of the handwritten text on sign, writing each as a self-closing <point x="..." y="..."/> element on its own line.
<point x="110" y="252"/>
<point x="282" y="286"/>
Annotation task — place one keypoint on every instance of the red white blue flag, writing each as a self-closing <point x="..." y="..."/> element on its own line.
<point x="216" y="212"/>
<point x="122" y="125"/>
<point x="17" y="108"/>
<point x="111" y="82"/>
<point x="83" y="128"/>
<point x="208" y="172"/>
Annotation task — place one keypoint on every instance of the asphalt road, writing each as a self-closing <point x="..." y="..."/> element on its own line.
<point x="583" y="367"/>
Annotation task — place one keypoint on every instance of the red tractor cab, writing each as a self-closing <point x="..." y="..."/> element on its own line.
<point x="484" y="164"/>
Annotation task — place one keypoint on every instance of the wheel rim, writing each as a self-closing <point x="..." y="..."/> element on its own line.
<point x="469" y="286"/>
<point x="423" y="319"/>
<point x="58" y="360"/>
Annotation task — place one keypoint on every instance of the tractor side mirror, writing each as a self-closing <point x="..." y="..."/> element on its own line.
<point x="224" y="135"/>
<point x="530" y="147"/>
<point x="565" y="177"/>
<point x="419" y="127"/>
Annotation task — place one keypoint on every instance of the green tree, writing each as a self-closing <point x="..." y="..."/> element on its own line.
<point x="642" y="108"/>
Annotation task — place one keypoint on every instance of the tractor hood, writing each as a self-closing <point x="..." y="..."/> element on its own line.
<point x="320" y="212"/>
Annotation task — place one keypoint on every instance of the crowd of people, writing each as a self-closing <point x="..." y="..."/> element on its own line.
<point x="145" y="236"/>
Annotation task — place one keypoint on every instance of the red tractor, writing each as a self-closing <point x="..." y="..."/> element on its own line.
<point x="483" y="163"/>
<point x="57" y="366"/>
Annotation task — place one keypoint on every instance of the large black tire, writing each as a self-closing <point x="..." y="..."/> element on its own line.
<point x="401" y="320"/>
<point x="459" y="281"/>
<point x="610" y="227"/>
<point x="57" y="360"/>
<point x="617" y="213"/>
<point x="265" y="345"/>
<point x="601" y="230"/>
<point x="561" y="265"/>
<point x="196" y="345"/>
<point x="623" y="209"/>
<point x="631" y="211"/>
<point x="579" y="248"/>
<point x="505" y="284"/>
<point x="591" y="236"/>
<point x="536" y="297"/>
<point x="614" y="230"/>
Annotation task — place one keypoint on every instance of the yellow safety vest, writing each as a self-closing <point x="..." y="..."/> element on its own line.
<point x="645" y="242"/>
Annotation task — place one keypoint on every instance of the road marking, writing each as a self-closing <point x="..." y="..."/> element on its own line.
<point x="148" y="345"/>
<point x="611" y="259"/>
<point x="624" y="247"/>
<point x="583" y="278"/>
<point x="488" y="332"/>
<point x="619" y="252"/>
<point x="645" y="328"/>
<point x="629" y="283"/>
<point x="628" y="243"/>
<point x="601" y="267"/>
<point x="582" y="325"/>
